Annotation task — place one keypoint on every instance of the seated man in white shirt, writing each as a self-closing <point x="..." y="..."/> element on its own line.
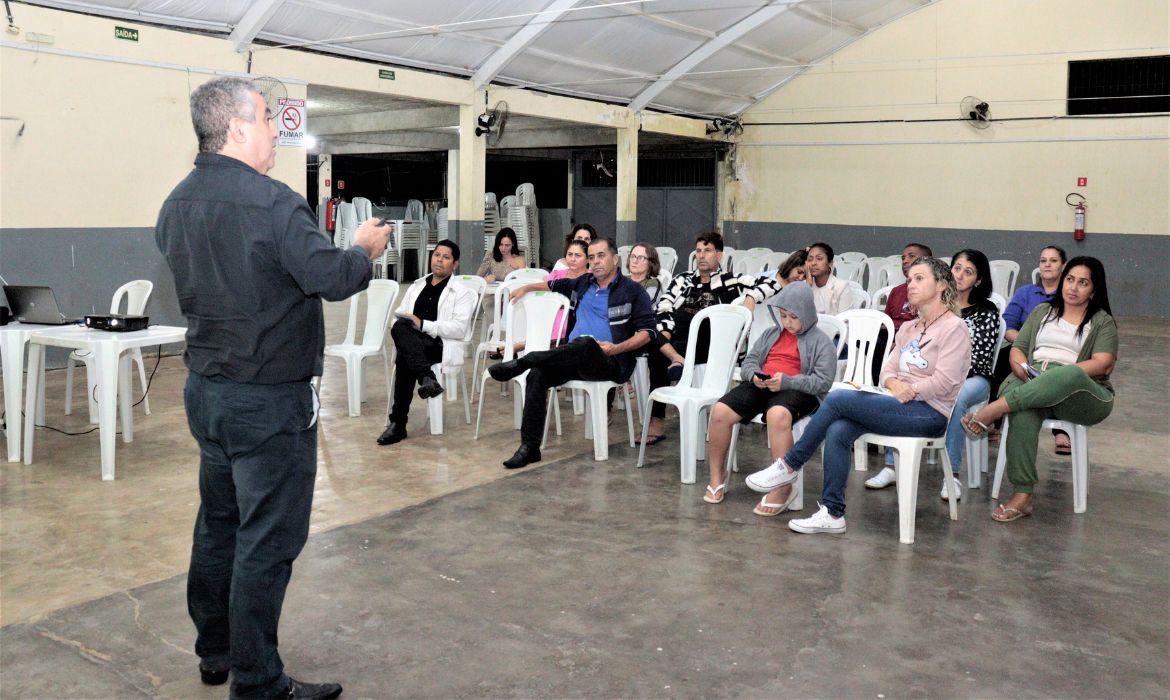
<point x="432" y="310"/>
<point x="830" y="294"/>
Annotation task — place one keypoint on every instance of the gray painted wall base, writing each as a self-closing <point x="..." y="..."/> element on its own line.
<point x="625" y="232"/>
<point x="86" y="266"/>
<point x="469" y="236"/>
<point x="1135" y="264"/>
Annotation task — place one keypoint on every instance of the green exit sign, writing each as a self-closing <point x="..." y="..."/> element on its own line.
<point x="386" y="74"/>
<point x="126" y="33"/>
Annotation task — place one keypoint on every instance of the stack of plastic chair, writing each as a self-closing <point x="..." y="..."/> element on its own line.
<point x="505" y="204"/>
<point x="380" y="298"/>
<point x="410" y="237"/>
<point x="728" y="327"/>
<point x="364" y="209"/>
<point x="522" y="220"/>
<point x="491" y="220"/>
<point x="346" y="225"/>
<point x="136" y="294"/>
<point x="526" y="197"/>
<point x="390" y="256"/>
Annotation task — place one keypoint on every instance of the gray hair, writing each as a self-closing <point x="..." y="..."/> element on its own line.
<point x="214" y="103"/>
<point x="941" y="273"/>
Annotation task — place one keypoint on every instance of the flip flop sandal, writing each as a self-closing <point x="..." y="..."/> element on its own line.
<point x="1010" y="514"/>
<point x="715" y="495"/>
<point x="654" y="439"/>
<point x="972" y="432"/>
<point x="780" y="507"/>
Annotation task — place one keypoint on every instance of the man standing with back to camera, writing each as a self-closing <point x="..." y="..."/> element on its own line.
<point x="250" y="271"/>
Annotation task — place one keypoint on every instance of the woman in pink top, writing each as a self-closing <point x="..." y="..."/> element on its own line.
<point x="577" y="263"/>
<point x="921" y="380"/>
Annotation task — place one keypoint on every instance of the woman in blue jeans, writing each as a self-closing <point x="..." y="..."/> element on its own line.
<point x="921" y="381"/>
<point x="972" y="273"/>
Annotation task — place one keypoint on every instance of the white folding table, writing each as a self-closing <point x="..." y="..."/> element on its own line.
<point x="12" y="340"/>
<point x="112" y="369"/>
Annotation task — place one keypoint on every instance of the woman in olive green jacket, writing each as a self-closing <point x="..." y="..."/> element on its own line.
<point x="1060" y="363"/>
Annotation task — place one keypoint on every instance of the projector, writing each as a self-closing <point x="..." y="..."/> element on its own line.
<point x="116" y="322"/>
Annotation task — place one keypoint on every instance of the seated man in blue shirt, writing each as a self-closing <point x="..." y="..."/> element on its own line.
<point x="610" y="318"/>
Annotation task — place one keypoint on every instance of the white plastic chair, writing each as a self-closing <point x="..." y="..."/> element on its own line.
<point x="729" y="257"/>
<point x="136" y="293"/>
<point x="596" y="413"/>
<point x="624" y="255"/>
<point x="851" y="256"/>
<point x="527" y="274"/>
<point x="908" y="460"/>
<point x="862" y="328"/>
<point x="977" y="449"/>
<point x="1003" y="277"/>
<point x="747" y="264"/>
<point x="1036" y="276"/>
<point x="1078" y="436"/>
<point x="857" y="298"/>
<point x="763" y="318"/>
<point x="380" y="298"/>
<point x="539" y="312"/>
<point x="494" y="336"/>
<point x="999" y="301"/>
<point x="774" y="261"/>
<point x="727" y="322"/>
<point x="851" y="270"/>
<point x="879" y="298"/>
<point x="363" y="209"/>
<point x="872" y="266"/>
<point x="758" y="251"/>
<point x="668" y="258"/>
<point x="890" y="274"/>
<point x="446" y="376"/>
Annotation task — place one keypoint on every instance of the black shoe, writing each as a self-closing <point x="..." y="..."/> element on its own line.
<point x="312" y="691"/>
<point x="429" y="388"/>
<point x="504" y="371"/>
<point x="395" y="432"/>
<point x="210" y="677"/>
<point x="525" y="455"/>
<point x="674" y="373"/>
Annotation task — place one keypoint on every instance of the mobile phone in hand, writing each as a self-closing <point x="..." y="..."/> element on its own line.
<point x="1029" y="369"/>
<point x="762" y="377"/>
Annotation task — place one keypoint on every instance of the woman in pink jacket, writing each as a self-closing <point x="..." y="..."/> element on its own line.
<point x="920" y="381"/>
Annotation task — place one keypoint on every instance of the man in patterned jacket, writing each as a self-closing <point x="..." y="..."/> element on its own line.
<point x="688" y="294"/>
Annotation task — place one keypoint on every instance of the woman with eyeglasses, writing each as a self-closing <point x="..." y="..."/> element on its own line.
<point x="644" y="266"/>
<point x="1060" y="361"/>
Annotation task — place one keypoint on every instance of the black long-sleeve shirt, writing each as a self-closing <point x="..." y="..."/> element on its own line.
<point x="250" y="271"/>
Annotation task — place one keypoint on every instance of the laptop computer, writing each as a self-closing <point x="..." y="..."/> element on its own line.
<point x="37" y="305"/>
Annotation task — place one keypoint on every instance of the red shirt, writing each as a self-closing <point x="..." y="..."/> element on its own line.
<point x="898" y="308"/>
<point x="784" y="357"/>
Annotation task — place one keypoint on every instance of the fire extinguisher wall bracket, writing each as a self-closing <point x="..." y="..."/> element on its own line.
<point x="1077" y="201"/>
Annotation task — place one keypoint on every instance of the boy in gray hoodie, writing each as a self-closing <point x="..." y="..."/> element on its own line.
<point x="786" y="374"/>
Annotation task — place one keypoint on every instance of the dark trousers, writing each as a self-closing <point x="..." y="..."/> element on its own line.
<point x="658" y="364"/>
<point x="416" y="352"/>
<point x="257" y="465"/>
<point x="582" y="358"/>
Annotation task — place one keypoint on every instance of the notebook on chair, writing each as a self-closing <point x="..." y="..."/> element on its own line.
<point x="37" y="305"/>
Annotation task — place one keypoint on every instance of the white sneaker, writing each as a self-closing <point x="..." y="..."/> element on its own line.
<point x="958" y="490"/>
<point x="882" y="479"/>
<point x="772" y="477"/>
<point x="819" y="521"/>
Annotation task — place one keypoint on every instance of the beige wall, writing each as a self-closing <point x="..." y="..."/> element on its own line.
<point x="1011" y="176"/>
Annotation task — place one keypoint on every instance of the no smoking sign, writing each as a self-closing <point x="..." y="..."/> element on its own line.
<point x="290" y="122"/>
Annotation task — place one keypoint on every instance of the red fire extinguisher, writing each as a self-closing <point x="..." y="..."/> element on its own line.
<point x="331" y="213"/>
<point x="1078" y="214"/>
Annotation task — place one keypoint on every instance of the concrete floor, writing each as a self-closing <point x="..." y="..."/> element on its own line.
<point x="433" y="572"/>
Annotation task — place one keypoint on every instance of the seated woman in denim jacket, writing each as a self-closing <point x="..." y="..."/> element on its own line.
<point x="1071" y="345"/>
